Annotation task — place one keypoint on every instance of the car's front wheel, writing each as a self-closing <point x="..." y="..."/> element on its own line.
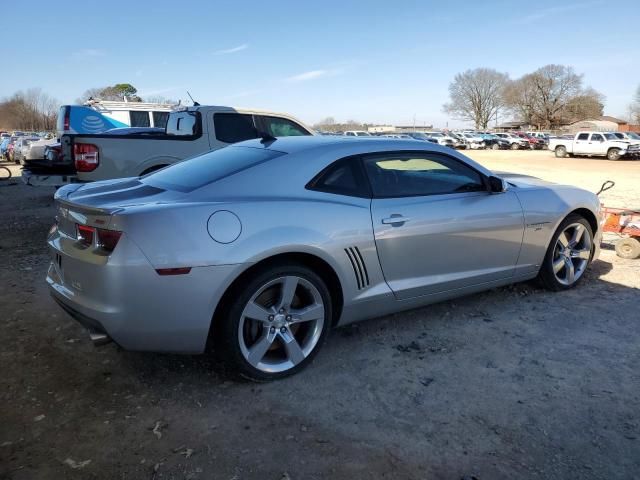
<point x="568" y="254"/>
<point x="275" y="324"/>
<point x="613" y="154"/>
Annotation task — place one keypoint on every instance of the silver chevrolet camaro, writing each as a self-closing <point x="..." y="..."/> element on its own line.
<point x="258" y="249"/>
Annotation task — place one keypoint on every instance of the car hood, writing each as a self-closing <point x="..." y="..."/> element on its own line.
<point x="523" y="181"/>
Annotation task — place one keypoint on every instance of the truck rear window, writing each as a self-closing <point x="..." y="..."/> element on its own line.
<point x="183" y="124"/>
<point x="197" y="172"/>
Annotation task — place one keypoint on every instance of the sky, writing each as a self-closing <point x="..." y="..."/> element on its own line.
<point x="371" y="61"/>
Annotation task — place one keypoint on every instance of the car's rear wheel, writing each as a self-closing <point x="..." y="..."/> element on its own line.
<point x="276" y="324"/>
<point x="561" y="151"/>
<point x="514" y="146"/>
<point x="495" y="146"/>
<point x="568" y="254"/>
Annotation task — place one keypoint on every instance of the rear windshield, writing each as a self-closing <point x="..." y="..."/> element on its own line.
<point x="184" y="123"/>
<point x="197" y="172"/>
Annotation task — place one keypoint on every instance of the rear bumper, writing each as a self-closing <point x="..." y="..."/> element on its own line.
<point x="125" y="299"/>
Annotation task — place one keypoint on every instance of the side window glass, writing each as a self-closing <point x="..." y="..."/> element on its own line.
<point x="234" y="127"/>
<point x="583" y="136"/>
<point x="139" y="119"/>
<point x="343" y="177"/>
<point x="281" y="127"/>
<point x="184" y="124"/>
<point x="596" y="137"/>
<point x="160" y="119"/>
<point x="405" y="175"/>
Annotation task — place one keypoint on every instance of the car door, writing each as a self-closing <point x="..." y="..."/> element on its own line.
<point x="596" y="145"/>
<point x="581" y="144"/>
<point x="436" y="225"/>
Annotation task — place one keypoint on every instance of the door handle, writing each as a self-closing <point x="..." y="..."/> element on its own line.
<point x="395" y="220"/>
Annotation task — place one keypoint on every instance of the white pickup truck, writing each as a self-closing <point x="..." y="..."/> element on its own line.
<point x="594" y="144"/>
<point x="190" y="131"/>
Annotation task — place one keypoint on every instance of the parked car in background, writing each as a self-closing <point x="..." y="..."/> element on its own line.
<point x="34" y="150"/>
<point x="459" y="142"/>
<point x="4" y="144"/>
<point x="594" y="144"/>
<point x="357" y="133"/>
<point x="474" y="141"/>
<point x="260" y="270"/>
<point x="395" y="135"/>
<point x="422" y="136"/>
<point x="534" y="143"/>
<point x="494" y="142"/>
<point x="515" y="142"/>
<point x="20" y="147"/>
<point x="442" y="139"/>
<point x="631" y="137"/>
<point x="190" y="131"/>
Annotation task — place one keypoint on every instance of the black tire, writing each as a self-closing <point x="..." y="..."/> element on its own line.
<point x="628" y="248"/>
<point x="225" y="328"/>
<point x="514" y="146"/>
<point x="546" y="277"/>
<point x="561" y="151"/>
<point x="613" y="154"/>
<point x="495" y="146"/>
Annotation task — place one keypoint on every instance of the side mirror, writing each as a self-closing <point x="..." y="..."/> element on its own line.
<point x="497" y="185"/>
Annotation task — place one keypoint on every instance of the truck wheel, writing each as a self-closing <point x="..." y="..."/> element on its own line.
<point x="561" y="151"/>
<point x="613" y="154"/>
<point x="514" y="146"/>
<point x="628" y="248"/>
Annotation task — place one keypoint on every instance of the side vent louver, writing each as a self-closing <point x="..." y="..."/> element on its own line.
<point x="359" y="267"/>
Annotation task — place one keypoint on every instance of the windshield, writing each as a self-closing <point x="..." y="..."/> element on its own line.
<point x="197" y="172"/>
<point x="435" y="135"/>
<point x="634" y="135"/>
<point x="610" y="136"/>
<point x="362" y="134"/>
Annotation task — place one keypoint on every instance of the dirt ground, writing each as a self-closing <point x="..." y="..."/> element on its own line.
<point x="512" y="383"/>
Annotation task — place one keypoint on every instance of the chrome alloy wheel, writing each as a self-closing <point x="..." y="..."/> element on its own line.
<point x="571" y="254"/>
<point x="281" y="324"/>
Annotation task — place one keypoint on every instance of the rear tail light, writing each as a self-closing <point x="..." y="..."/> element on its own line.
<point x="108" y="239"/>
<point x="85" y="234"/>
<point x="105" y="240"/>
<point x="86" y="157"/>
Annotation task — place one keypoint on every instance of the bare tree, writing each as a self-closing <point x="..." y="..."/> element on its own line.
<point x="587" y="104"/>
<point x="552" y="96"/>
<point x="117" y="92"/>
<point x="634" y="108"/>
<point x="29" y="110"/>
<point x="476" y="95"/>
<point x="160" y="99"/>
<point x="554" y="87"/>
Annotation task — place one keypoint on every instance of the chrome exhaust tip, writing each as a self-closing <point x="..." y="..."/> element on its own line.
<point x="99" y="339"/>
